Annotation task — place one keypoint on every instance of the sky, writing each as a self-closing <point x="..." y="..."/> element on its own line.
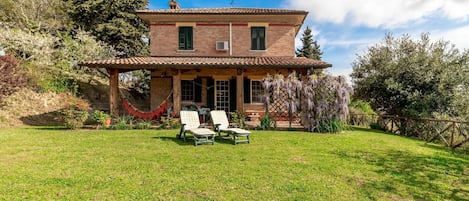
<point x="346" y="28"/>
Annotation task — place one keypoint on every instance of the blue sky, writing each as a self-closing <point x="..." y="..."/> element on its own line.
<point x="345" y="28"/>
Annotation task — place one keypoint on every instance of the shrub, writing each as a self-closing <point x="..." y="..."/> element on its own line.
<point x="376" y="126"/>
<point x="123" y="123"/>
<point x="100" y="117"/>
<point x="143" y="125"/>
<point x="12" y="78"/>
<point x="239" y="118"/>
<point x="267" y="122"/>
<point x="75" y="114"/>
<point x="331" y="126"/>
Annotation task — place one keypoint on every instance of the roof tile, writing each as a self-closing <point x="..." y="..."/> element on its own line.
<point x="218" y="62"/>
<point x="234" y="11"/>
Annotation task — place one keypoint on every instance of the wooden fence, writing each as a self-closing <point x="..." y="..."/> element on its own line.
<point x="451" y="133"/>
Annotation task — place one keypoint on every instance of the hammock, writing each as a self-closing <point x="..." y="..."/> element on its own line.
<point x="155" y="114"/>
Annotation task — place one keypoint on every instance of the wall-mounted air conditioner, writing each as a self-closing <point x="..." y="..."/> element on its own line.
<point x="222" y="46"/>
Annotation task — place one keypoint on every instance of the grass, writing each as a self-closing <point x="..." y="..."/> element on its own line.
<point x="48" y="164"/>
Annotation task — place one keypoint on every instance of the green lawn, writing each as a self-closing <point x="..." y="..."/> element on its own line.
<point x="48" y="164"/>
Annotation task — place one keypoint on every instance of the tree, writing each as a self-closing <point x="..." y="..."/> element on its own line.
<point x="310" y="48"/>
<point x="113" y="22"/>
<point x="402" y="76"/>
<point x="12" y="78"/>
<point x="34" y="14"/>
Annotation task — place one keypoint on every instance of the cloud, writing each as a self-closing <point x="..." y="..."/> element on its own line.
<point x="385" y="14"/>
<point x="457" y="36"/>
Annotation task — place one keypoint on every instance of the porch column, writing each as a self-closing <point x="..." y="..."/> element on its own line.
<point x="177" y="92"/>
<point x="240" y="91"/>
<point x="114" y="92"/>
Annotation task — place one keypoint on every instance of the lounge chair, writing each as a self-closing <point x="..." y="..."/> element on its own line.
<point x="221" y="124"/>
<point x="190" y="124"/>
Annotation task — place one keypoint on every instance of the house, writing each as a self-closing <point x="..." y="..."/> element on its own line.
<point x="213" y="57"/>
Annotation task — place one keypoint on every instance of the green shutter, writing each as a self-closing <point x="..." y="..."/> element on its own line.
<point x="210" y="93"/>
<point x="232" y="95"/>
<point x="198" y="90"/>
<point x="186" y="41"/>
<point x="247" y="90"/>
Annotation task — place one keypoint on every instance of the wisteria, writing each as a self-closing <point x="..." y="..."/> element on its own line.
<point x="318" y="99"/>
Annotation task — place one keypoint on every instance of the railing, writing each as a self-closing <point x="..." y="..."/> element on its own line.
<point x="451" y="133"/>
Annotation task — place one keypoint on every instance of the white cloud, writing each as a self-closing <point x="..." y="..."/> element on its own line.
<point x="387" y="14"/>
<point x="457" y="36"/>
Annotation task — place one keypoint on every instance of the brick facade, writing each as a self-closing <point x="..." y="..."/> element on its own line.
<point x="280" y="40"/>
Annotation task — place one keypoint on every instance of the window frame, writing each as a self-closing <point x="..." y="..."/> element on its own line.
<point x="258" y="45"/>
<point x="187" y="41"/>
<point x="261" y="92"/>
<point x="183" y="88"/>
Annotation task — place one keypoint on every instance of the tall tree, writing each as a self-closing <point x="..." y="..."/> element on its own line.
<point x="310" y="48"/>
<point x="113" y="22"/>
<point x="403" y="76"/>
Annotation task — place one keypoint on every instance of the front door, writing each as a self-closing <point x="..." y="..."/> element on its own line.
<point x="222" y="95"/>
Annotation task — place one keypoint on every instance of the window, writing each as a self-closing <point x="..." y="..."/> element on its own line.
<point x="185" y="38"/>
<point x="257" y="91"/>
<point x="257" y="38"/>
<point x="222" y="88"/>
<point x="187" y="90"/>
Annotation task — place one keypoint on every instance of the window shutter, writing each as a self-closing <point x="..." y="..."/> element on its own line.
<point x="182" y="38"/>
<point x="189" y="38"/>
<point x="262" y="38"/>
<point x="233" y="95"/>
<point x="210" y="93"/>
<point x="198" y="90"/>
<point x="247" y="90"/>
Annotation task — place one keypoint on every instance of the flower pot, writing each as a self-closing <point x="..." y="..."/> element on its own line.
<point x="107" y="122"/>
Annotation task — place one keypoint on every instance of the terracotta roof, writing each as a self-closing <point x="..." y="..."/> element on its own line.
<point x="211" y="62"/>
<point x="233" y="11"/>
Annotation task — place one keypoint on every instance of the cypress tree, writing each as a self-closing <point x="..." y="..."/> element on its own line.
<point x="310" y="48"/>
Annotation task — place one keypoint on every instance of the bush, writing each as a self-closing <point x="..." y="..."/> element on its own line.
<point x="143" y="125"/>
<point x="75" y="114"/>
<point x="376" y="126"/>
<point x="239" y="118"/>
<point x="12" y="78"/>
<point x="267" y="122"/>
<point x="100" y="117"/>
<point x="331" y="126"/>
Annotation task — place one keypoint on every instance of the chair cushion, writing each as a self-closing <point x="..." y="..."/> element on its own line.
<point x="201" y="131"/>
<point x="236" y="130"/>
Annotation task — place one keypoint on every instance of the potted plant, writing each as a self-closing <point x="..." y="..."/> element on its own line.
<point x="102" y="118"/>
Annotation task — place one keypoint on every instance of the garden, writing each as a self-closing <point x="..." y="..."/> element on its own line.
<point x="52" y="163"/>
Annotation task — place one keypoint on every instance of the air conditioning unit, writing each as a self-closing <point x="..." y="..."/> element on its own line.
<point x="222" y="46"/>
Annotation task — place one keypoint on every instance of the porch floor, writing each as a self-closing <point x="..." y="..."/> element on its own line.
<point x="281" y="125"/>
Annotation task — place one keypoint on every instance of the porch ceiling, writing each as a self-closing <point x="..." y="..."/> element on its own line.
<point x="136" y="63"/>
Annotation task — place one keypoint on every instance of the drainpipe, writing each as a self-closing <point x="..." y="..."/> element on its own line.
<point x="231" y="39"/>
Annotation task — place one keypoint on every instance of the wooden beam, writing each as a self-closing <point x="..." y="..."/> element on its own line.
<point x="114" y="92"/>
<point x="177" y="92"/>
<point x="240" y="91"/>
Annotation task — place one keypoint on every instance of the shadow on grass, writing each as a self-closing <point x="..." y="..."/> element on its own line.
<point x="403" y="174"/>
<point x="369" y="130"/>
<point x="45" y="119"/>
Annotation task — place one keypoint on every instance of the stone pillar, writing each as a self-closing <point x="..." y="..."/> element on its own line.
<point x="114" y="92"/>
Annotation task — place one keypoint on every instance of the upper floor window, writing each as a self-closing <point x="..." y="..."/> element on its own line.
<point x="186" y="41"/>
<point x="257" y="38"/>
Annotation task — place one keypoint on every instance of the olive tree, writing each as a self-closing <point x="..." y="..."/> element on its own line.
<point x="413" y="77"/>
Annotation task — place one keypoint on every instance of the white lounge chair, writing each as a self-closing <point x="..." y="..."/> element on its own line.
<point x="221" y="124"/>
<point x="190" y="124"/>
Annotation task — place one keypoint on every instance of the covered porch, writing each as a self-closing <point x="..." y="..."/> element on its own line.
<point x="222" y="83"/>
